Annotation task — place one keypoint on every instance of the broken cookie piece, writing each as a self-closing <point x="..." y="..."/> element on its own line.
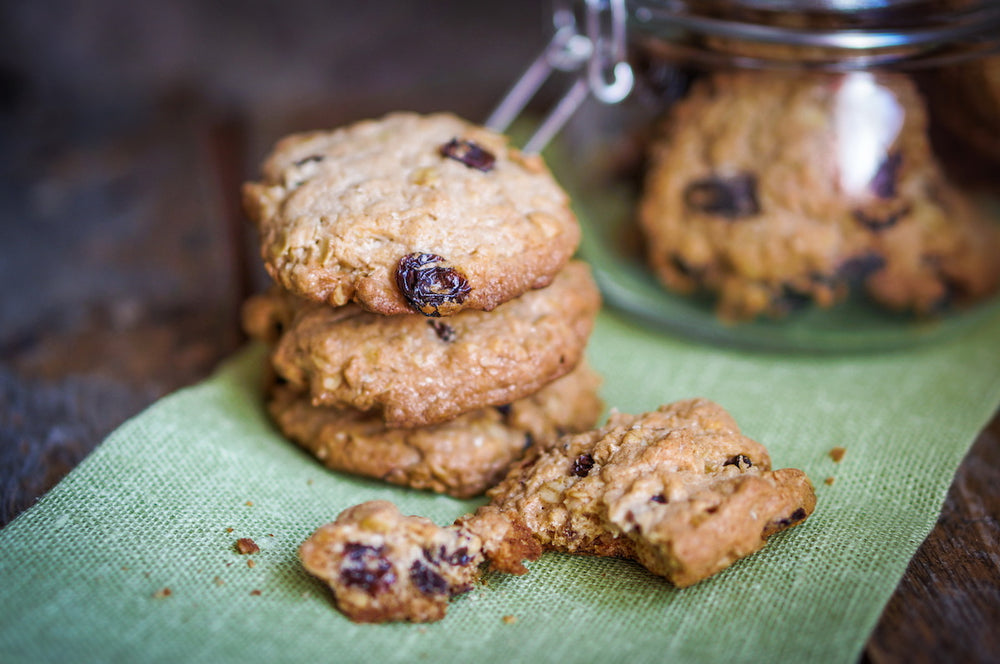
<point x="679" y="489"/>
<point x="383" y="566"/>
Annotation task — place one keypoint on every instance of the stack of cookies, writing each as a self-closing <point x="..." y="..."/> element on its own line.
<point x="778" y="190"/>
<point x="426" y="322"/>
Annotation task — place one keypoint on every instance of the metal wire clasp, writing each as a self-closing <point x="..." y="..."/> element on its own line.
<point x="598" y="55"/>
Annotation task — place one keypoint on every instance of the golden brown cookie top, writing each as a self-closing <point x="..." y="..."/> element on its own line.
<point x="409" y="213"/>
<point x="413" y="370"/>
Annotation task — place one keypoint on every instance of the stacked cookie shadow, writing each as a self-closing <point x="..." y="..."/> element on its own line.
<point x="426" y="323"/>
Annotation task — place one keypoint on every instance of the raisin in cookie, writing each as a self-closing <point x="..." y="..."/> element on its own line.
<point x="384" y="566"/>
<point x="774" y="190"/>
<point x="678" y="489"/>
<point x="938" y="252"/>
<point x="462" y="457"/>
<point x="415" y="371"/>
<point x="409" y="213"/>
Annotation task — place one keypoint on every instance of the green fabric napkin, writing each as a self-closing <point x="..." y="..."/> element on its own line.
<point x="159" y="505"/>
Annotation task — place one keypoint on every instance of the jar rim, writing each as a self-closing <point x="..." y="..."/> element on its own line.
<point x="834" y="33"/>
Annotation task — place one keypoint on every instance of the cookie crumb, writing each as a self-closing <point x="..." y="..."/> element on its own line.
<point x="251" y="563"/>
<point x="255" y="592"/>
<point x="163" y="592"/>
<point x="218" y="581"/>
<point x="230" y="529"/>
<point x="509" y="620"/>
<point x="837" y="454"/>
<point x="828" y="481"/>
<point x="249" y="503"/>
<point x="245" y="545"/>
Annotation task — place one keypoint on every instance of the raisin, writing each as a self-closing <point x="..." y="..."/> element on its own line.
<point x="855" y="270"/>
<point x="730" y="197"/>
<point x="659" y="498"/>
<point x="791" y="299"/>
<point x="311" y="158"/>
<point x="366" y="567"/>
<point x="504" y="409"/>
<point x="469" y="153"/>
<point x="877" y="224"/>
<point x="444" y="331"/>
<point x="433" y="290"/>
<point x="582" y="465"/>
<point x="529" y="440"/>
<point x="459" y="556"/>
<point x="427" y="580"/>
<point x="883" y="183"/>
<point x="740" y="461"/>
<point x="794" y="517"/>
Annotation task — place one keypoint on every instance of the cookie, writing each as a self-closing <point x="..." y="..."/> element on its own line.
<point x="414" y="371"/>
<point x="778" y="190"/>
<point x="938" y="250"/>
<point x="383" y="566"/>
<point x="462" y="457"/>
<point x="679" y="489"/>
<point x="409" y="213"/>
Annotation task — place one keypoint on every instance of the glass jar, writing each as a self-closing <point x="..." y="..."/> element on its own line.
<point x="816" y="175"/>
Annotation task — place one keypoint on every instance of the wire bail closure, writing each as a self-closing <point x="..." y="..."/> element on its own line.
<point x="598" y="55"/>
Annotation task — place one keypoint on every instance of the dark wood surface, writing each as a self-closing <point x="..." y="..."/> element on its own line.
<point x="125" y="130"/>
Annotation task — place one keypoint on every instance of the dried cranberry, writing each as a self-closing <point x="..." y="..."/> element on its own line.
<point x="444" y="331"/>
<point x="582" y="465"/>
<point x="740" y="461"/>
<point x="366" y="567"/>
<point x="883" y="183"/>
<point x="433" y="290"/>
<point x="469" y="153"/>
<point x="730" y="197"/>
<point x="427" y="580"/>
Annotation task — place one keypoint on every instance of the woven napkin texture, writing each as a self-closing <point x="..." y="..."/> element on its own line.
<point x="132" y="559"/>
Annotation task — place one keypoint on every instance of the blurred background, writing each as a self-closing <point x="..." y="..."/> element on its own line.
<point x="126" y="129"/>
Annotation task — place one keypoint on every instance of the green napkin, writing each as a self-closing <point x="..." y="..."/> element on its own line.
<point x="131" y="558"/>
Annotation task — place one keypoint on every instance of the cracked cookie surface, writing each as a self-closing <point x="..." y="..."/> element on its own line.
<point x="409" y="213"/>
<point x="416" y="371"/>
<point x="679" y="489"/>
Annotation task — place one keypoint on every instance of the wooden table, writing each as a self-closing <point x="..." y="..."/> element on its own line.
<point x="126" y="129"/>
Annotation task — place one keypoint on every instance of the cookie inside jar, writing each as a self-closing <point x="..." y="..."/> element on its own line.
<point x="786" y="179"/>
